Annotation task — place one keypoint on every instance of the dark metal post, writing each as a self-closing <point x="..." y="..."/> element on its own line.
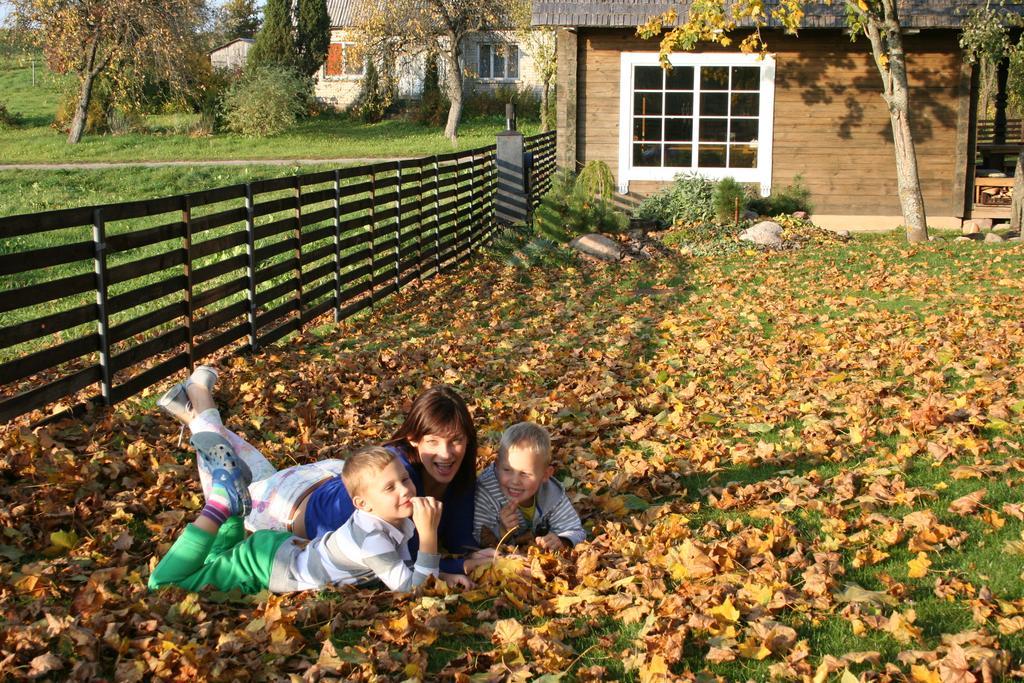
<point x="186" y="217"/>
<point x="369" y="229"/>
<point x="512" y="203"/>
<point x="250" y="269"/>
<point x="437" y="216"/>
<point x="398" y="228"/>
<point x="337" y="246"/>
<point x="298" y="247"/>
<point x="99" y="241"/>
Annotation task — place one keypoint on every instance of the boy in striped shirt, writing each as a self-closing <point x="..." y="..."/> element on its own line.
<point x="518" y="494"/>
<point x="372" y="544"/>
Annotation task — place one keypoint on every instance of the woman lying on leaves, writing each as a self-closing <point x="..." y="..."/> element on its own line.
<point x="437" y="445"/>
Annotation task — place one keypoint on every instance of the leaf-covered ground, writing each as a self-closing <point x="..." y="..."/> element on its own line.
<point x="805" y="465"/>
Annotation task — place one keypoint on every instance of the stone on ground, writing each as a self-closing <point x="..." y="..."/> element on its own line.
<point x="765" y="233"/>
<point x="992" y="237"/>
<point x="598" y="246"/>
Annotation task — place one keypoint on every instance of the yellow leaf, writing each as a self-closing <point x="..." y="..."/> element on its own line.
<point x="919" y="566"/>
<point x="753" y="650"/>
<point x="508" y="631"/>
<point x="725" y="612"/>
<point x="919" y="673"/>
<point x="856" y="435"/>
<point x="65" y="540"/>
<point x="848" y="677"/>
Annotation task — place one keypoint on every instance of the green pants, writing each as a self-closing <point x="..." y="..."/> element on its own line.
<point x="225" y="561"/>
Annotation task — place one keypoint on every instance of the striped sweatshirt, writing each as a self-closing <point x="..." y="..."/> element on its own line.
<point x="553" y="509"/>
<point x="363" y="549"/>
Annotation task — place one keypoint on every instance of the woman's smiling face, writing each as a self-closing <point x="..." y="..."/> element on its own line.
<point x="441" y="455"/>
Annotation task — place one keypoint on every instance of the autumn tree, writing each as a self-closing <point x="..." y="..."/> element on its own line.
<point x="714" y="21"/>
<point x="540" y="44"/>
<point x="123" y="40"/>
<point x="312" y="35"/>
<point x="238" y="19"/>
<point x="275" y="42"/>
<point x="432" y="25"/>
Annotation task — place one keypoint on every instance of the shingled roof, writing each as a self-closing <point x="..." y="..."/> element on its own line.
<point x="342" y="12"/>
<point x="629" y="13"/>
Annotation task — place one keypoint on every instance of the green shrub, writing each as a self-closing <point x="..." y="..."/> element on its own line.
<point x="8" y="118"/>
<point x="433" y="108"/>
<point x="597" y="180"/>
<point x="729" y="199"/>
<point x="378" y="93"/>
<point x="570" y="209"/>
<point x="689" y="198"/>
<point x="490" y="101"/>
<point x="793" y="197"/>
<point x="101" y="102"/>
<point x="265" y="101"/>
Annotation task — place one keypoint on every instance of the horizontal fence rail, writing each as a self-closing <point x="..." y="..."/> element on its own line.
<point x="122" y="296"/>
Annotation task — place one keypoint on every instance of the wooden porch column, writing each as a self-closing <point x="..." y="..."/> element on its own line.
<point x="1002" y="75"/>
<point x="966" y="139"/>
<point x="565" y="104"/>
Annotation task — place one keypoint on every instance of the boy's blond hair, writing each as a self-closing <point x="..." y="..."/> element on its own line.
<point x="529" y="436"/>
<point x="362" y="465"/>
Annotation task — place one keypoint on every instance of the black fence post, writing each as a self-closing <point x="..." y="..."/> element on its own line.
<point x="398" y="228"/>
<point x="337" y="246"/>
<point x="250" y="270"/>
<point x="437" y="216"/>
<point x="369" y="232"/>
<point x="99" y="240"/>
<point x="186" y="217"/>
<point x="298" y="248"/>
<point x="419" y="225"/>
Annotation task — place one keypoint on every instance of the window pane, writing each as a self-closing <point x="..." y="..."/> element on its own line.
<point x="647" y="129"/>
<point x="513" y="61"/>
<point x="743" y="130"/>
<point x="679" y="78"/>
<point x="647" y="78"/>
<point x="353" y="60"/>
<point x="679" y="129"/>
<point x="746" y="78"/>
<point x="679" y="104"/>
<point x="485" y="61"/>
<point x="679" y="155"/>
<point x="714" y="104"/>
<point x="714" y="78"/>
<point x="647" y="155"/>
<point x="713" y="130"/>
<point x="499" y="61"/>
<point x="746" y="104"/>
<point x="647" y="103"/>
<point x="711" y="156"/>
<point x="742" y="156"/>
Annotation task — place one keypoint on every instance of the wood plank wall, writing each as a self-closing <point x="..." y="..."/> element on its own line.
<point x="831" y="124"/>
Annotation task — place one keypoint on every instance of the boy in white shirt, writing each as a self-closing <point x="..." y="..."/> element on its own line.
<point x="517" y="493"/>
<point x="372" y="544"/>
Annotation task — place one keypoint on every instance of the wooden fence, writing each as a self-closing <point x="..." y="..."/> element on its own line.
<point x="125" y="295"/>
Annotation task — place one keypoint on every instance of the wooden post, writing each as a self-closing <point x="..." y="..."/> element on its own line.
<point x="250" y="270"/>
<point x="437" y="216"/>
<point x="186" y="217"/>
<point x="298" y="247"/>
<point x="99" y="241"/>
<point x="565" y="99"/>
<point x="337" y="246"/>
<point x="419" y="225"/>
<point x="398" y="228"/>
<point x="369" y="232"/>
<point x="474" y="230"/>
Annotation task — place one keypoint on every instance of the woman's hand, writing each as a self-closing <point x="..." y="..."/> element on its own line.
<point x="457" y="580"/>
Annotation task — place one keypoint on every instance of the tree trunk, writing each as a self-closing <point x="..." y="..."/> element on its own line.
<point x="890" y="59"/>
<point x="1017" y="209"/>
<point x="81" y="109"/>
<point x="454" y="87"/>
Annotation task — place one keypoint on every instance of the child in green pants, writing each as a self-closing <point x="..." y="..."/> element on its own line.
<point x="372" y="544"/>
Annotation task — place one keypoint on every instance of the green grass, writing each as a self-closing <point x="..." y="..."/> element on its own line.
<point x="328" y="136"/>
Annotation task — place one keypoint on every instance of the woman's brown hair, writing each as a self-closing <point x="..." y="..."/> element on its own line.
<point x="442" y="412"/>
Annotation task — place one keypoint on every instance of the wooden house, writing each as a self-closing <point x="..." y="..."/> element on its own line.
<point x="811" y="108"/>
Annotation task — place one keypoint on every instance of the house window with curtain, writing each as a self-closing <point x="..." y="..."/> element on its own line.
<point x="344" y="59"/>
<point x="499" y="61"/>
<point x="710" y="114"/>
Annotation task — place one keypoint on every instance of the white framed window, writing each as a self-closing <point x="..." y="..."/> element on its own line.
<point x="344" y="59"/>
<point x="711" y="114"/>
<point x="499" y="61"/>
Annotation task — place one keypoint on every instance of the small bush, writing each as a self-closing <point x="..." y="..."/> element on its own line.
<point x="101" y="102"/>
<point x="433" y="109"/>
<point x="570" y="209"/>
<point x="597" y="180"/>
<point x="265" y="101"/>
<point x="729" y="196"/>
<point x="378" y="93"/>
<point x="8" y="118"/>
<point x="488" y="101"/>
<point x="689" y="198"/>
<point x="793" y="197"/>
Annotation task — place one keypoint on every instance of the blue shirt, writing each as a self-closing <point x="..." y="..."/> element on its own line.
<point x="330" y="506"/>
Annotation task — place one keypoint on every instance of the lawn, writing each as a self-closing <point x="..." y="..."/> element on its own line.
<point x="790" y="464"/>
<point x="167" y="138"/>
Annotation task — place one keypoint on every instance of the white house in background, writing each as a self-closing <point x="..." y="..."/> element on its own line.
<point x="231" y="55"/>
<point x="492" y="59"/>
